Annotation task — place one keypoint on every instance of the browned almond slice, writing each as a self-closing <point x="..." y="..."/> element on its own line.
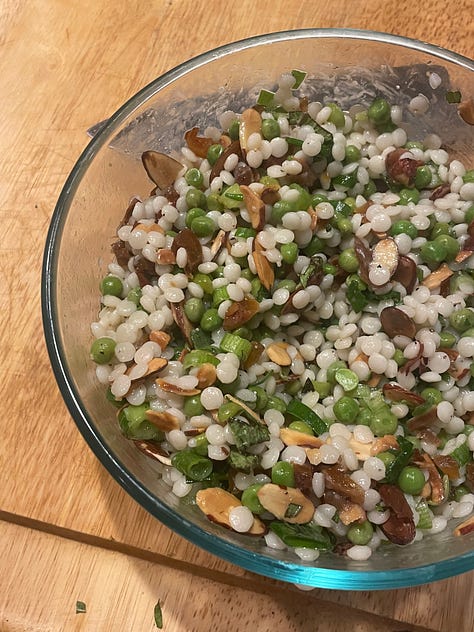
<point x="277" y="352"/>
<point x="197" y="144"/>
<point x="188" y="240"/>
<point x="434" y="280"/>
<point x="169" y="387"/>
<point x="385" y="256"/>
<point x="148" y="228"/>
<point x="351" y="512"/>
<point x="206" y="375"/>
<point x="160" y="337"/>
<point x="286" y="503"/>
<point x="396" y="323"/>
<point x="374" y="380"/>
<point x="165" y="256"/>
<point x="216" y="504"/>
<point x="382" y="444"/>
<point x="466" y="111"/>
<point x="154" y="366"/>
<point x="406" y="273"/>
<point x="240" y="313"/>
<point x="161" y="169"/>
<point x="255" y="207"/>
<point x="294" y="437"/>
<point x="314" y="218"/>
<point x="250" y="122"/>
<point x="162" y="420"/>
<point x="313" y="455"/>
<point x="463" y="255"/>
<point x="396" y="393"/>
<point x="343" y="484"/>
<point x="264" y="268"/>
<point x="218" y="243"/>
<point x="183" y="322"/>
<point x="465" y="527"/>
<point x="153" y="450"/>
<point x="361" y="450"/>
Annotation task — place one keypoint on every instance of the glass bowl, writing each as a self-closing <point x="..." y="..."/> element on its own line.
<point x="353" y="66"/>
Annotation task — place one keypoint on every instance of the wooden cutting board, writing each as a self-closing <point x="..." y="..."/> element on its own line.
<point x="64" y="65"/>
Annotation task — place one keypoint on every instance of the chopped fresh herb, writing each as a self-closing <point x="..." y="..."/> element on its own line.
<point x="80" y="607"/>
<point x="299" y="76"/>
<point x="304" y="413"/>
<point x="359" y="298"/>
<point x="158" y="615"/>
<point x="200" y="339"/>
<point x="453" y="96"/>
<point x="402" y="459"/>
<point x="248" y="433"/>
<point x="293" y="510"/>
<point x="265" y="98"/>
<point x="242" y="462"/>
<point x="309" y="536"/>
<point x="297" y="142"/>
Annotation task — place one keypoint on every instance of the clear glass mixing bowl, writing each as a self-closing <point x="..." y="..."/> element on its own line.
<point x="343" y="65"/>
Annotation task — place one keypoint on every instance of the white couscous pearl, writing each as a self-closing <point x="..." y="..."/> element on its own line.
<point x="241" y="519"/>
<point x="212" y="398"/>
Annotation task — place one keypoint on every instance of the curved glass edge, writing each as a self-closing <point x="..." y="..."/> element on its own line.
<point x="294" y="573"/>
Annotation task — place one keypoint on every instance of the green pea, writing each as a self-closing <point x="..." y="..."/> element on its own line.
<point x="386" y="457"/>
<point x="440" y="228"/>
<point x="469" y="217"/>
<point x="228" y="410"/>
<point x="192" y="406"/>
<point x="462" y="319"/>
<point x="364" y="417"/>
<point x="301" y="426"/>
<point x="270" y="129"/>
<point x="250" y="498"/>
<point x="360" y="532"/>
<point x="102" y="350"/>
<point x="234" y="129"/>
<point x="268" y="181"/>
<point x="411" y="480"/>
<point x="383" y="422"/>
<point x="276" y="403"/>
<point x="379" y="111"/>
<point x="352" y="154"/>
<point x="399" y="357"/>
<point x="317" y="198"/>
<point x="369" y="189"/>
<point x="408" y="195"/>
<point x="194" y="178"/>
<point x="433" y="253"/>
<point x="196" y="198"/>
<point x="283" y="474"/>
<point x="218" y="272"/>
<point x="451" y="244"/>
<point x="243" y="332"/>
<point x="135" y="295"/>
<point x="328" y="268"/>
<point x="262" y="397"/>
<point x="423" y="177"/>
<point x="315" y="245"/>
<point x="347" y="180"/>
<point x="280" y="208"/>
<point x="346" y="409"/>
<point x="193" y="213"/>
<point x="403" y="226"/>
<point x="204" y="281"/>
<point x="332" y="368"/>
<point x="201" y="445"/>
<point x="289" y="252"/>
<point x="323" y="388"/>
<point x="111" y="285"/>
<point x="337" y="115"/>
<point x="468" y="333"/>
<point x="348" y="260"/>
<point x="347" y="379"/>
<point x="213" y="153"/>
<point x="210" y="320"/>
<point x="459" y="492"/>
<point x="468" y="176"/>
<point x="194" y="309"/>
<point x="303" y="201"/>
<point x="203" y="226"/>
<point x="344" y="225"/>
<point x="287" y="284"/>
<point x="431" y="395"/>
<point x="214" y="202"/>
<point x="447" y="340"/>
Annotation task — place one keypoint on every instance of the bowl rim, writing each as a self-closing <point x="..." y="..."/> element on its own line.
<point x="297" y="573"/>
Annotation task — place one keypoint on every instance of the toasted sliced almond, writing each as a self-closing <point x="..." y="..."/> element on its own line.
<point x="255" y="207"/>
<point x="294" y="437"/>
<point x="161" y="169"/>
<point x="169" y="387"/>
<point x="382" y="444"/>
<point x="217" y="504"/>
<point x="154" y="366"/>
<point x="183" y="322"/>
<point x="277" y="352"/>
<point x="250" y="123"/>
<point x="197" y="144"/>
<point x="463" y="255"/>
<point x="264" y="268"/>
<point x="161" y="338"/>
<point x="361" y="450"/>
<point x="374" y="380"/>
<point x="465" y="527"/>
<point x="206" y="375"/>
<point x="435" y="279"/>
<point x="385" y="256"/>
<point x="313" y="455"/>
<point x="153" y="450"/>
<point x="240" y="312"/>
<point x="396" y="323"/>
<point x="466" y="111"/>
<point x="165" y="256"/>
<point x="218" y="243"/>
<point x="277" y="500"/>
<point x="188" y="240"/>
<point x="314" y="219"/>
<point x="162" y="420"/>
<point x="352" y="512"/>
<point x="148" y="228"/>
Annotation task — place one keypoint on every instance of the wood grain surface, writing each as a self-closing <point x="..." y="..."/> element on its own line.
<point x="65" y="64"/>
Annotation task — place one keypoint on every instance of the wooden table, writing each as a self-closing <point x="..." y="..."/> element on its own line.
<point x="67" y="531"/>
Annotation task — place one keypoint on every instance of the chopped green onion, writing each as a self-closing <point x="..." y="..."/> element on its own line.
<point x="308" y="536"/>
<point x="234" y="193"/>
<point x="200" y="339"/>
<point x="453" y="96"/>
<point x="426" y="518"/>
<point x="80" y="607"/>
<point x="192" y="465"/>
<point x="402" y="459"/>
<point x="245" y="232"/>
<point x="231" y="343"/>
<point x="265" y="98"/>
<point x="299" y="76"/>
<point x="158" y="615"/>
<point x="462" y="454"/>
<point x="304" y="413"/>
<point x="294" y="141"/>
<point x="198" y="357"/>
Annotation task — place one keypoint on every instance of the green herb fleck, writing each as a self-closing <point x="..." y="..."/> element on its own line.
<point x="158" y="615"/>
<point x="293" y="510"/>
<point x="80" y="607"/>
<point x="248" y="433"/>
<point x="309" y="536"/>
<point x="453" y="96"/>
<point x="299" y="76"/>
<point x="242" y="462"/>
